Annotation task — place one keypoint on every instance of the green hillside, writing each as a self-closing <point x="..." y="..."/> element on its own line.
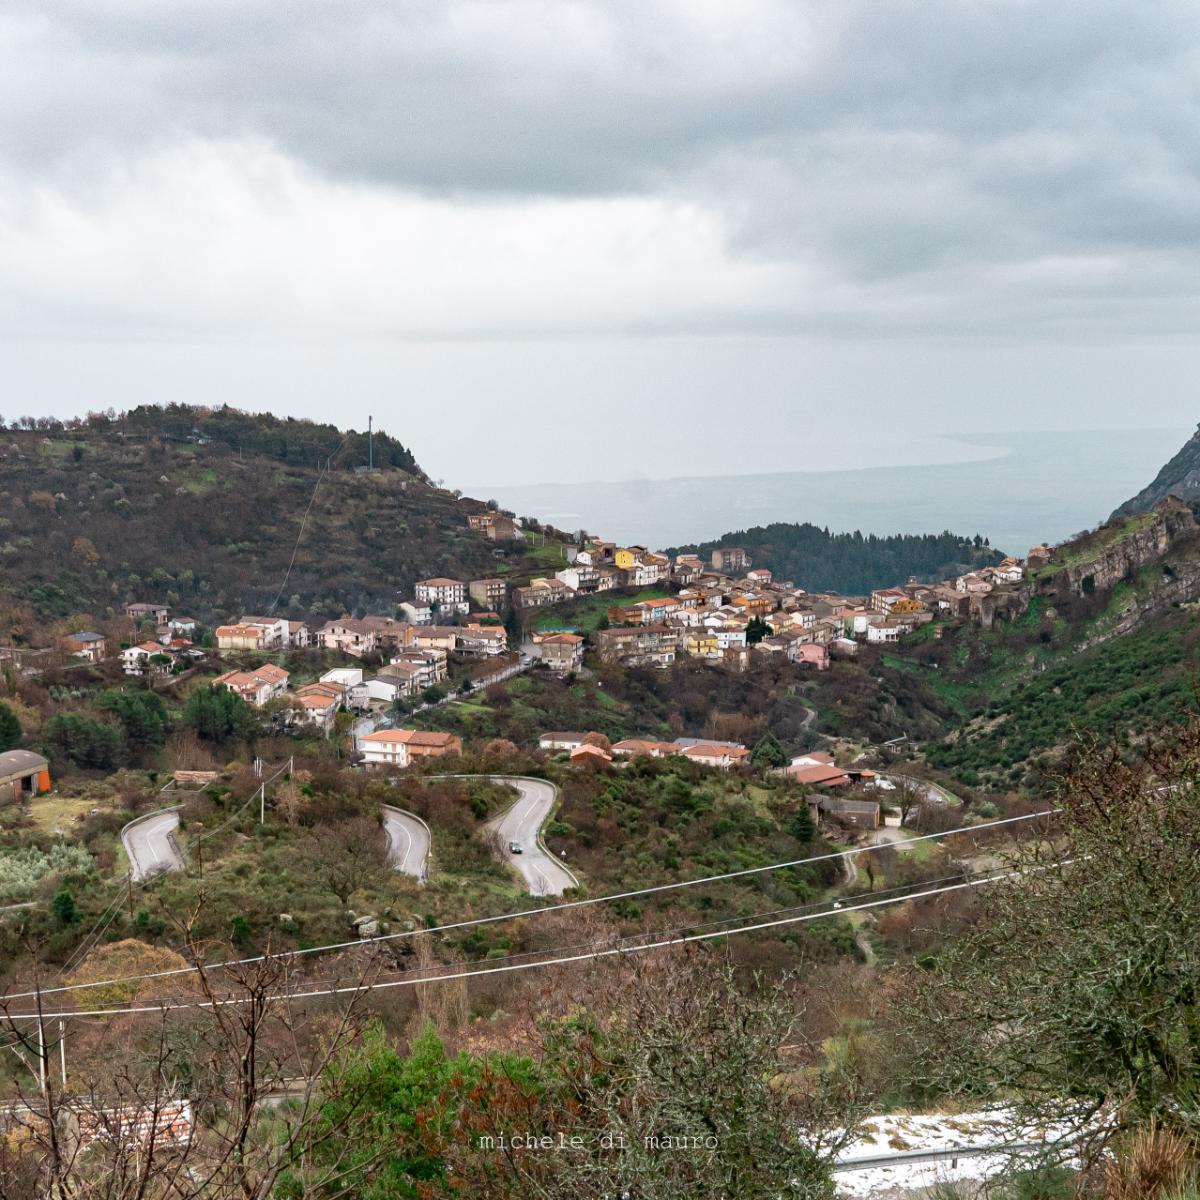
<point x="1104" y="644"/>
<point x="203" y="510"/>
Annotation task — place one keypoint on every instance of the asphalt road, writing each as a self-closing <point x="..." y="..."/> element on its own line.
<point x="544" y="874"/>
<point x="151" y="846"/>
<point x="408" y="841"/>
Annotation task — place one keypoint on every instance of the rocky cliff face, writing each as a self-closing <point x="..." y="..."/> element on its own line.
<point x="1167" y="541"/>
<point x="1119" y="553"/>
<point x="1180" y="477"/>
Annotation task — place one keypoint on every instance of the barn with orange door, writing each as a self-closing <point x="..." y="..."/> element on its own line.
<point x="23" y="774"/>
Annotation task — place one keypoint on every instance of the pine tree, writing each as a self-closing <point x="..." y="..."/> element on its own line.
<point x="802" y="827"/>
<point x="768" y="752"/>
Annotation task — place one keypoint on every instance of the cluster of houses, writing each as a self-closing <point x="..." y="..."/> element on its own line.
<point x="164" y="647"/>
<point x="723" y="609"/>
<point x="592" y="747"/>
<point x="726" y="609"/>
<point x="352" y="688"/>
<point x="483" y="635"/>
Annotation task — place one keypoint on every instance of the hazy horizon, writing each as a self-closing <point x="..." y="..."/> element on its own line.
<point x="1035" y="487"/>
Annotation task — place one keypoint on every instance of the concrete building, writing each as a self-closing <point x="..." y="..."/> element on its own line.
<point x="488" y="593"/>
<point x="732" y="560"/>
<point x="562" y="652"/>
<point x="348" y="635"/>
<point x="89" y="646"/>
<point x="138" y="611"/>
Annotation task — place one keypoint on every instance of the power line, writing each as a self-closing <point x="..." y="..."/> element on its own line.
<point x="503" y="968"/>
<point x="531" y="912"/>
<point x="303" y="522"/>
<point x="829" y="908"/>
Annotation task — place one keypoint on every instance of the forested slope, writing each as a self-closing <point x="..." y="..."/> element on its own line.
<point x="203" y="510"/>
<point x="854" y="563"/>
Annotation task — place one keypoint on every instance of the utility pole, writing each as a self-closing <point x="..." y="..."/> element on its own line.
<point x="370" y="443"/>
<point x="262" y="805"/>
<point x="62" y="1051"/>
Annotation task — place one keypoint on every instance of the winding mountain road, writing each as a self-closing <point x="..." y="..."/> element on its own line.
<point x="408" y="841"/>
<point x="543" y="873"/>
<point x="150" y="845"/>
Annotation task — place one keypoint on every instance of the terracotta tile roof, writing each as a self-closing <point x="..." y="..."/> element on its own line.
<point x="587" y="750"/>
<point x="713" y="750"/>
<point x="410" y="737"/>
<point x="644" y="746"/>
<point x="818" y="776"/>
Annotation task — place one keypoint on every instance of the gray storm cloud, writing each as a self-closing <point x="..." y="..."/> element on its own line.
<point x="515" y="173"/>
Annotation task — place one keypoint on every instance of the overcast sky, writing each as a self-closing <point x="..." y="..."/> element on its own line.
<point x="546" y="240"/>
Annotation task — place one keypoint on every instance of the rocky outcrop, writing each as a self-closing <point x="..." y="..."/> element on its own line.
<point x="1179" y="478"/>
<point x="1099" y="561"/>
<point x="1157" y="553"/>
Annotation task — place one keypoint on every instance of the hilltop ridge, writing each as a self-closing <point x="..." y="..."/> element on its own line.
<point x="214" y="511"/>
<point x="1180" y="477"/>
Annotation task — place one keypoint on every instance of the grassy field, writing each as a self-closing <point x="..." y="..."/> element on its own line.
<point x="53" y="814"/>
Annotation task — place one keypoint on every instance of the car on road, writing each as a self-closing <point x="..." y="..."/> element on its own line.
<point x="514" y="848"/>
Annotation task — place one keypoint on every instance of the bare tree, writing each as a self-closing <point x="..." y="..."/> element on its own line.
<point x="217" y="1093"/>
<point x="348" y="855"/>
<point x="907" y="796"/>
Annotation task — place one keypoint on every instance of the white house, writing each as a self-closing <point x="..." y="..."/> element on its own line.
<point x="721" y="755"/>
<point x="1010" y="570"/>
<point x="398" y="747"/>
<point x="729" y="636"/>
<point x="416" y="614"/>
<point x="133" y="659"/>
<point x="483" y="640"/>
<point x="448" y="595"/>
<point x="884" y="631"/>
<point x="275" y="631"/>
<point x="348" y="635"/>
<point x="580" y="577"/>
<point x="318" y="707"/>
<point x="256" y="686"/>
<point x="379" y="689"/>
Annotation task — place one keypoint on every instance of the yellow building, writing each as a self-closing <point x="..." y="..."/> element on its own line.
<point x="624" y="559"/>
<point x="240" y="637"/>
<point x="752" y="604"/>
<point x="703" y="643"/>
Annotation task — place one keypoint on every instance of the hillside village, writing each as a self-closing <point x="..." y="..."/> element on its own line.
<point x="451" y="636"/>
<point x="725" y="610"/>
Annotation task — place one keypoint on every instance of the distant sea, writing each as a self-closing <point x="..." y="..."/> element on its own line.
<point x="1016" y="489"/>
